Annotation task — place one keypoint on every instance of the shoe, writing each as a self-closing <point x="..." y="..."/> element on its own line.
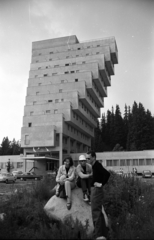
<point x="57" y="194"/>
<point x="85" y="198"/>
<point x="89" y="198"/>
<point x="89" y="202"/>
<point x="69" y="204"/>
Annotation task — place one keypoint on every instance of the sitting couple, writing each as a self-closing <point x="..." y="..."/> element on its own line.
<point x="66" y="178"/>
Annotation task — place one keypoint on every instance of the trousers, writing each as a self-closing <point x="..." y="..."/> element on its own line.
<point x="85" y="184"/>
<point x="68" y="186"/>
<point x="100" y="228"/>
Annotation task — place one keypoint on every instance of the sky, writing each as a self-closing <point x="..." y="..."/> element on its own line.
<point x="22" y="22"/>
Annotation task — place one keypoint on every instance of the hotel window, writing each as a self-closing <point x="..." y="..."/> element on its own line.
<point x="77" y="55"/>
<point x="66" y="72"/>
<point x="72" y="71"/>
<point x="49" y="100"/>
<point x="79" y="48"/>
<point x="36" y="76"/>
<point x="76" y="80"/>
<point x="39" y="84"/>
<point x="51" y="52"/>
<point x="62" y="81"/>
<point x="62" y="100"/>
<point x="122" y="162"/>
<point x="47" y="111"/>
<point x="56" y="66"/>
<point x="37" y="93"/>
<point x="46" y="66"/>
<point x="54" y="74"/>
<point x="135" y="162"/>
<point x="56" y="111"/>
<point x="45" y="75"/>
<point x="97" y="52"/>
<point x="31" y="113"/>
<point x="67" y="64"/>
<point x="37" y="61"/>
<point x="108" y="163"/>
<point x="39" y="68"/>
<point x="73" y="63"/>
<point x="19" y="164"/>
<point x="87" y="54"/>
<point x="148" y="161"/>
<point x="141" y="162"/>
<point x="57" y="139"/>
<point x="60" y="90"/>
<point x="115" y="162"/>
<point x="98" y="45"/>
<point x="56" y="100"/>
<point x="29" y="124"/>
<point x="67" y="56"/>
<point x="50" y="59"/>
<point x="128" y="162"/>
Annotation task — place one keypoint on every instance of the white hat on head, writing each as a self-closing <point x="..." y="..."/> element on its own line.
<point x="82" y="158"/>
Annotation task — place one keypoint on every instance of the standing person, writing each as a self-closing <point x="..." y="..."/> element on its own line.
<point x="66" y="177"/>
<point x="84" y="173"/>
<point x="8" y="166"/>
<point x="100" y="177"/>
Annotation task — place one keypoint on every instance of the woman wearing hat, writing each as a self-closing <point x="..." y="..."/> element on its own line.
<point x="84" y="172"/>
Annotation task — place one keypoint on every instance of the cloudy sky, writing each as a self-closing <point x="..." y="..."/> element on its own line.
<point x="131" y="22"/>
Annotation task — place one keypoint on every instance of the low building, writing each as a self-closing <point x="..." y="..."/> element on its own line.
<point x="126" y="161"/>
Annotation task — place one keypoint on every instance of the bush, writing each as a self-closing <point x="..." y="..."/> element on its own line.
<point x="128" y="202"/>
<point x="43" y="190"/>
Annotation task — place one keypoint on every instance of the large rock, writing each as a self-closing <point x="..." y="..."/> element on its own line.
<point x="56" y="209"/>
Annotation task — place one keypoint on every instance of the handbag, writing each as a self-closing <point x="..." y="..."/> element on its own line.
<point x="62" y="193"/>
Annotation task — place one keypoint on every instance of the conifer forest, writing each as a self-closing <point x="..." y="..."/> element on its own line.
<point x="134" y="131"/>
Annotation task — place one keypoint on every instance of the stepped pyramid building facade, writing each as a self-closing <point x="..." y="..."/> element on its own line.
<point x="67" y="85"/>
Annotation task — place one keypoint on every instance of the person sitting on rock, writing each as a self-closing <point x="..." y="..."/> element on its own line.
<point x="66" y="177"/>
<point x="84" y="173"/>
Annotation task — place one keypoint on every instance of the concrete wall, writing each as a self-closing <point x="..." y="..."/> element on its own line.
<point x="66" y="88"/>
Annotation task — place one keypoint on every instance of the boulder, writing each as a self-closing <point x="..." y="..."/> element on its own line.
<point x="56" y="209"/>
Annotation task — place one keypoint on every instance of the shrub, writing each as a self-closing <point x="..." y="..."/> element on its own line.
<point x="128" y="202"/>
<point x="43" y="190"/>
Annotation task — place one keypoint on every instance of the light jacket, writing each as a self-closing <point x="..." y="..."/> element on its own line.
<point x="62" y="172"/>
<point x="80" y="171"/>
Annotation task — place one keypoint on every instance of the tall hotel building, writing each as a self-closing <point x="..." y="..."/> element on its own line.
<point x="67" y="84"/>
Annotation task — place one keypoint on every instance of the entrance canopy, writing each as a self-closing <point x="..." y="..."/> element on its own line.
<point x="40" y="158"/>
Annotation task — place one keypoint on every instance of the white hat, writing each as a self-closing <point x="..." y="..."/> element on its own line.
<point x="82" y="158"/>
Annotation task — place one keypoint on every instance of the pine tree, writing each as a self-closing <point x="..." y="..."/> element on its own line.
<point x="15" y="147"/>
<point x="118" y="128"/>
<point x="97" y="144"/>
<point x="5" y="147"/>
